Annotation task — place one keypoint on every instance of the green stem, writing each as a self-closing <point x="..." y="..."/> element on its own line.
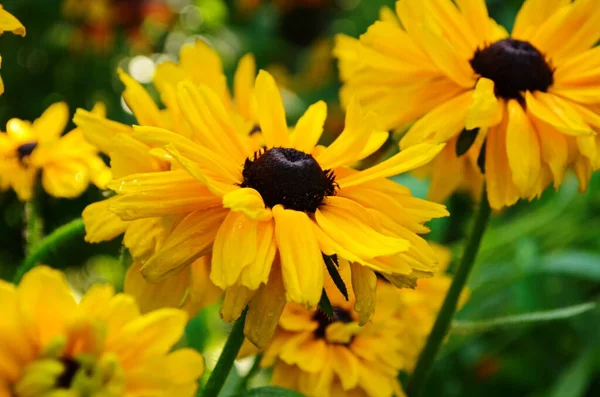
<point x="49" y="244"/>
<point x="444" y="319"/>
<point x="34" y="223"/>
<point x="230" y="351"/>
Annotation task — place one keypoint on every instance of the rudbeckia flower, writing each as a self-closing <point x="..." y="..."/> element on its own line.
<point x="8" y="23"/>
<point x="100" y="346"/>
<point x="67" y="163"/>
<point x="274" y="218"/>
<point x="190" y="289"/>
<point x="324" y="356"/>
<point x="532" y="98"/>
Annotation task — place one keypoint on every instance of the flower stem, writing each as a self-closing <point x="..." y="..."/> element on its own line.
<point x="444" y="319"/>
<point x="34" y="222"/>
<point x="50" y="243"/>
<point x="230" y="351"/>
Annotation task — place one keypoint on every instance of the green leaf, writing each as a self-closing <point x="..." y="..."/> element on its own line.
<point x="573" y="263"/>
<point x="522" y="319"/>
<point x="269" y="392"/>
<point x="325" y="305"/>
<point x="332" y="265"/>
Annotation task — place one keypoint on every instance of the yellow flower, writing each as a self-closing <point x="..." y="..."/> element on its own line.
<point x="67" y="163"/>
<point x="199" y="64"/>
<point x="8" y="23"/>
<point x="321" y="356"/>
<point x="101" y="346"/>
<point x="533" y="98"/>
<point x="269" y="216"/>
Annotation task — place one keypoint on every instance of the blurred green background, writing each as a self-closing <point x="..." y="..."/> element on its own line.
<point x="536" y="256"/>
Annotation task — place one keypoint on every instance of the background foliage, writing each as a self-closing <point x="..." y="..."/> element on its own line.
<point x="537" y="256"/>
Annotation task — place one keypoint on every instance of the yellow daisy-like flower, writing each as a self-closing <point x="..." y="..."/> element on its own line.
<point x="335" y="357"/>
<point x="270" y="216"/>
<point x="199" y="64"/>
<point x="532" y="99"/>
<point x="54" y="346"/>
<point x="67" y="163"/>
<point x="8" y="23"/>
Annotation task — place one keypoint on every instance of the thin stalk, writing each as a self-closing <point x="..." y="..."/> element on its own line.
<point x="34" y="222"/>
<point x="230" y="351"/>
<point x="442" y="324"/>
<point x="51" y="243"/>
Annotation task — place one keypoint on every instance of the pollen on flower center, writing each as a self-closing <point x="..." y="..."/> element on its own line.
<point x="514" y="66"/>
<point x="25" y="150"/>
<point x="288" y="177"/>
<point x="340" y="315"/>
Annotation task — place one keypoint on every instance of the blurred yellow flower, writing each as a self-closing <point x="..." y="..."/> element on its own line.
<point x="8" y="23"/>
<point x="101" y="346"/>
<point x="270" y="216"/>
<point x="334" y="357"/>
<point x="198" y="64"/>
<point x="532" y="100"/>
<point x="67" y="163"/>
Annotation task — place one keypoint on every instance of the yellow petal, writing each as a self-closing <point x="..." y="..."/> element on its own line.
<point x="486" y="109"/>
<point x="51" y="124"/>
<point x="440" y="124"/>
<point x="66" y="179"/>
<point x="364" y="284"/>
<point x="9" y="23"/>
<point x="375" y="142"/>
<point x="148" y="336"/>
<point x="271" y="114"/>
<point x="532" y="14"/>
<point x="264" y="310"/>
<point x="554" y="149"/>
<point x="160" y="193"/>
<point x="352" y="227"/>
<point x="501" y="189"/>
<point x="557" y="112"/>
<point x="152" y="296"/>
<point x="258" y="272"/>
<point x="408" y="159"/>
<point x="248" y="201"/>
<point x="235" y="301"/>
<point x="46" y="304"/>
<point x="202" y="292"/>
<point x="243" y="86"/>
<point x="98" y="130"/>
<point x="130" y="156"/>
<point x="101" y="224"/>
<point x="189" y="240"/>
<point x="309" y="128"/>
<point x="234" y="248"/>
<point x="139" y="101"/>
<point x="351" y="142"/>
<point x="301" y="259"/>
<point x="522" y="148"/>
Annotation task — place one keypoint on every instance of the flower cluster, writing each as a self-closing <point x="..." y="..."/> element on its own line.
<point x="314" y="248"/>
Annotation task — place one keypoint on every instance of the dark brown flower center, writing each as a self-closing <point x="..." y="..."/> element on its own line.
<point x="340" y="315"/>
<point x="25" y="150"/>
<point x="288" y="177"/>
<point x="514" y="66"/>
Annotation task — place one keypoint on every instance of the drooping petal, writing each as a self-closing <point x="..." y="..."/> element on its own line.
<point x="301" y="259"/>
<point x="364" y="284"/>
<point x="557" y="112"/>
<point x="522" y="149"/>
<point x="264" y="310"/>
<point x="235" y="301"/>
<point x="501" y="189"/>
